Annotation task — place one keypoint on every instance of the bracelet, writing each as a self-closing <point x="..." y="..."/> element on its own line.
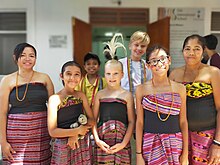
<point x="138" y="152"/>
<point x="216" y="142"/>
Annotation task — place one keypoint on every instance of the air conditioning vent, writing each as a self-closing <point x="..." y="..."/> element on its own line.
<point x="119" y="16"/>
<point x="215" y="21"/>
<point x="13" y="21"/>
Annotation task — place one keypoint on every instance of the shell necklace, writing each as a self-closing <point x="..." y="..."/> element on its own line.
<point x="26" y="89"/>
<point x="157" y="108"/>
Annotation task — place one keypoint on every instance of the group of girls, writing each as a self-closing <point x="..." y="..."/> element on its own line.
<point x="177" y="116"/>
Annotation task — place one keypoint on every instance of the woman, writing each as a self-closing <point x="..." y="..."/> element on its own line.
<point x="161" y="125"/>
<point x="203" y="103"/>
<point x="23" y="111"/>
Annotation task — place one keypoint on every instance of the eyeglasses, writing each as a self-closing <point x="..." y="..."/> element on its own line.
<point x="154" y="62"/>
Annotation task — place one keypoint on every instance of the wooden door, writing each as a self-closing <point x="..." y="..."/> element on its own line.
<point x="82" y="40"/>
<point x="159" y="32"/>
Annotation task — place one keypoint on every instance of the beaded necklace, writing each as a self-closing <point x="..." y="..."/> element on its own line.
<point x="157" y="108"/>
<point x="26" y="89"/>
<point x="143" y="74"/>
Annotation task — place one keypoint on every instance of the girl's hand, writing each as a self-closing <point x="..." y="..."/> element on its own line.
<point x="140" y="159"/>
<point x="117" y="147"/>
<point x="105" y="147"/>
<point x="7" y="151"/>
<point x="184" y="159"/>
<point x="73" y="142"/>
<point x="91" y="122"/>
<point x="214" y="154"/>
<point x="83" y="129"/>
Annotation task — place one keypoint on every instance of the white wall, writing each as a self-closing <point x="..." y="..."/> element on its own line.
<point x="53" y="17"/>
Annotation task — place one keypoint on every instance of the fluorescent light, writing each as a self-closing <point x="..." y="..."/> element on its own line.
<point x="108" y="34"/>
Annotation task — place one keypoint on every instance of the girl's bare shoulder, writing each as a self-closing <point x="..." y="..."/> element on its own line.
<point x="178" y="87"/>
<point x="177" y="74"/>
<point x="143" y="89"/>
<point x="126" y="94"/>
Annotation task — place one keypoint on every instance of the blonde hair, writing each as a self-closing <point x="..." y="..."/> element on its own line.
<point x="139" y="35"/>
<point x="114" y="62"/>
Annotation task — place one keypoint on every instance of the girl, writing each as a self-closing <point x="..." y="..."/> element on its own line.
<point x="64" y="109"/>
<point x="161" y="126"/>
<point x="113" y="110"/>
<point x="203" y="103"/>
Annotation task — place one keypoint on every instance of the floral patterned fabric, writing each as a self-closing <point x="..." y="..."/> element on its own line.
<point x="198" y="89"/>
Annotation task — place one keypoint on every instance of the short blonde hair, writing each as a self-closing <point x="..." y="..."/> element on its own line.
<point x="139" y="35"/>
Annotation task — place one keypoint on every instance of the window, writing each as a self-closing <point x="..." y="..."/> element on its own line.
<point x="215" y="26"/>
<point x="12" y="32"/>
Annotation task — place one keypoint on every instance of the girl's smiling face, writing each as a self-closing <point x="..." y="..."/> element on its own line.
<point x="159" y="61"/>
<point x="71" y="76"/>
<point x="113" y="73"/>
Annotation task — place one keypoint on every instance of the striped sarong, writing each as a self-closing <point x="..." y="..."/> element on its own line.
<point x="112" y="132"/>
<point x="162" y="148"/>
<point x="64" y="155"/>
<point x="28" y="135"/>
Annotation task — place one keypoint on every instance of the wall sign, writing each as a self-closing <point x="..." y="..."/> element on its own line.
<point x="183" y="22"/>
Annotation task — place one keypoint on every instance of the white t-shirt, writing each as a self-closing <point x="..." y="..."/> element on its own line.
<point x="136" y="73"/>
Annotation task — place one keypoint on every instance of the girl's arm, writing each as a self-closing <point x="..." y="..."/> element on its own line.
<point x="54" y="101"/>
<point x="139" y="125"/>
<point x="131" y="124"/>
<point x="214" y="151"/>
<point x="96" y="116"/>
<point x="183" y="124"/>
<point x="7" y="150"/>
<point x="105" y="147"/>
<point x="89" y="114"/>
<point x="131" y="119"/>
<point x="215" y="79"/>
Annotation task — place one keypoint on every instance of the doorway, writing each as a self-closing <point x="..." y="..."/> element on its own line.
<point x="104" y="34"/>
<point x="89" y="37"/>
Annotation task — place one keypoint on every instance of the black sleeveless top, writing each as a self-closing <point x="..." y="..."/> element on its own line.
<point x="69" y="111"/>
<point x="201" y="111"/>
<point x="113" y="109"/>
<point x="167" y="104"/>
<point x="35" y="100"/>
